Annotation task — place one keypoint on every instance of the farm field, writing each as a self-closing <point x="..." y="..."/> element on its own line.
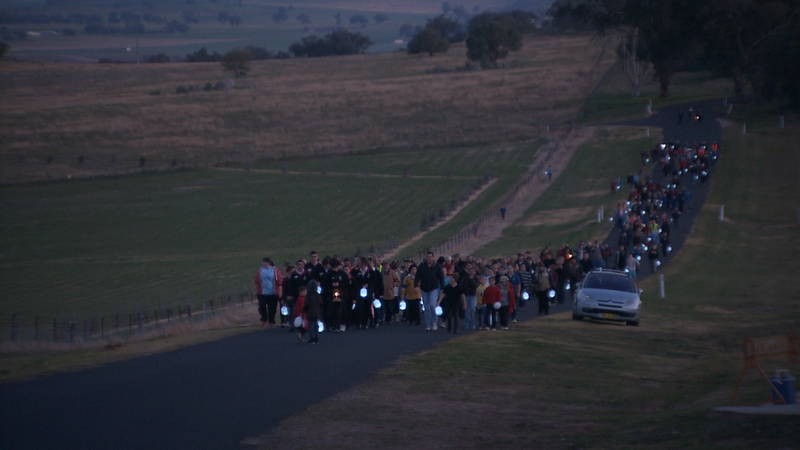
<point x="127" y="243"/>
<point x="86" y="119"/>
<point x="568" y="210"/>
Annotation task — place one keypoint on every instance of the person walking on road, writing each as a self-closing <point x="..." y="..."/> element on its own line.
<point x="269" y="284"/>
<point x="412" y="296"/>
<point x="542" y="288"/>
<point x="313" y="310"/>
<point x="429" y="279"/>
<point x="454" y="301"/>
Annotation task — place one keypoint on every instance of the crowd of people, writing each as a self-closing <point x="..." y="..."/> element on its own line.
<point x="342" y="294"/>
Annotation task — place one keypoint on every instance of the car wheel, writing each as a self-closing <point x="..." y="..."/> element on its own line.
<point x="631" y="323"/>
<point x="576" y="316"/>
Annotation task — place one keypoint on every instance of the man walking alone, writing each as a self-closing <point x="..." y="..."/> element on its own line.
<point x="268" y="288"/>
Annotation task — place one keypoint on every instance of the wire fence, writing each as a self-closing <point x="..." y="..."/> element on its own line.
<point x="25" y="328"/>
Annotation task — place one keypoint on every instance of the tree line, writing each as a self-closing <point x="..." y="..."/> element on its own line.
<point x="754" y="42"/>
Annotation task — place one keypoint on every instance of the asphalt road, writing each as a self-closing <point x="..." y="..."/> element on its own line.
<point x="213" y="395"/>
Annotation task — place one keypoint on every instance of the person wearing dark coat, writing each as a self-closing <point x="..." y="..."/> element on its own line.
<point x="313" y="310"/>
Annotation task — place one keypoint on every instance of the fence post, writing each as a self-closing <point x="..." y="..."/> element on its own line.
<point x="744" y="129"/>
<point x="55" y="326"/>
<point x="130" y="324"/>
<point x="116" y="321"/>
<point x="84" y="326"/>
<point x="661" y="289"/>
<point x="721" y="213"/>
<point x="71" y="332"/>
<point x="102" y="326"/>
<point x="36" y="328"/>
<point x="600" y="213"/>
<point x="189" y="311"/>
<point x="781" y="122"/>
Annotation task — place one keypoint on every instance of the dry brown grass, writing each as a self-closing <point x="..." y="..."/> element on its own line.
<point x="283" y="108"/>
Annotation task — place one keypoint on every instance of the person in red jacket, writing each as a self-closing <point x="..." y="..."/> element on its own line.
<point x="490" y="296"/>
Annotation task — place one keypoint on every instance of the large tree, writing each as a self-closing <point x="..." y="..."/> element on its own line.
<point x="664" y="33"/>
<point x="491" y="36"/>
<point x="237" y="62"/>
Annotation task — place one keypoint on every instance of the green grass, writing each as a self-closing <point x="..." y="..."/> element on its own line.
<point x="570" y="204"/>
<point x="118" y="244"/>
<point x="557" y="383"/>
<point x="506" y="163"/>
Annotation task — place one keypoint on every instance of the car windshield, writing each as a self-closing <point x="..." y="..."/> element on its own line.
<point x="610" y="282"/>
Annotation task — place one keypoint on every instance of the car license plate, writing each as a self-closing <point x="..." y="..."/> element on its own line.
<point x="608" y="316"/>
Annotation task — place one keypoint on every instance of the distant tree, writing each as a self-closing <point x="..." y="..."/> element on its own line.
<point x="235" y="21"/>
<point x="380" y="18"/>
<point x="338" y="18"/>
<point x="173" y="26"/>
<point x="450" y="29"/>
<point x="223" y="17"/>
<point x="358" y="19"/>
<point x="281" y="15"/>
<point x="237" y="61"/>
<point x="158" y="58"/>
<point x="203" y="55"/>
<point x="259" y="52"/>
<point x="491" y="36"/>
<point x="429" y="40"/>
<point x="4" y="47"/>
<point x="445" y="7"/>
<point x="339" y="42"/>
<point x="303" y="18"/>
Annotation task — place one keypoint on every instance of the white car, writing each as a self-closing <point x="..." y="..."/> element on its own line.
<point x="608" y="295"/>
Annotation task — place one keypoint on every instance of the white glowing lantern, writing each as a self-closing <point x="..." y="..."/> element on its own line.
<point x="551" y="293"/>
<point x="497" y="305"/>
<point x="320" y="326"/>
<point x="377" y="304"/>
<point x="319" y="289"/>
<point x="284" y="310"/>
<point x="439" y="311"/>
<point x="525" y="295"/>
<point x="568" y="286"/>
<point x="363" y="292"/>
<point x="638" y="257"/>
<point x="403" y="305"/>
<point x="298" y="322"/>
<point x="669" y="249"/>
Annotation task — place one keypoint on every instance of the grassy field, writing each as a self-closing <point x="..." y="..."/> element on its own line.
<point x="557" y="383"/>
<point x="568" y="210"/>
<point x="282" y="109"/>
<point x="118" y="244"/>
